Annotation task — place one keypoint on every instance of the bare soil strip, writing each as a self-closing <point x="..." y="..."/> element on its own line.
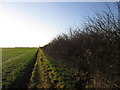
<point x="48" y="75"/>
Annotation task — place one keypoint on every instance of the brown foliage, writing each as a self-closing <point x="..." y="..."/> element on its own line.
<point x="94" y="48"/>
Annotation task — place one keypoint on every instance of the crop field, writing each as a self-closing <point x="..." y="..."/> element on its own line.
<point x="17" y="64"/>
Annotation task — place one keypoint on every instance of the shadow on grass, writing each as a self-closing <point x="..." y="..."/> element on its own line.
<point x="22" y="82"/>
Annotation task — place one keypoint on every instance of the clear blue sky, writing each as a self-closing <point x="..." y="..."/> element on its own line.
<point x="51" y="17"/>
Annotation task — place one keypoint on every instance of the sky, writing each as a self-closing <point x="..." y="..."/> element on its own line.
<point x="33" y="24"/>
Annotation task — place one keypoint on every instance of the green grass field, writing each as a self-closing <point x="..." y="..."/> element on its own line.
<point x="16" y="64"/>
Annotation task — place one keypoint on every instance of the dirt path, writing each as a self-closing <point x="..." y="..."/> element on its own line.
<point x="48" y="75"/>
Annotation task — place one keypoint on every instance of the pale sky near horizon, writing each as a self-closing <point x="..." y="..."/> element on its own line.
<point x="33" y="24"/>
